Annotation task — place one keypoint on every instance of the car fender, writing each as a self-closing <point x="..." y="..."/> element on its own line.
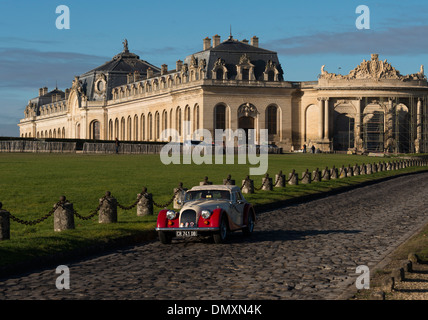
<point x="162" y="221"/>
<point x="249" y="209"/>
<point x="216" y="217"/>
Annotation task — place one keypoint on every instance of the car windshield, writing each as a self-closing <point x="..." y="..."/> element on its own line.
<point x="207" y="195"/>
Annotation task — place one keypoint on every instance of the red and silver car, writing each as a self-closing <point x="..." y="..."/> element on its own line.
<point x="208" y="210"/>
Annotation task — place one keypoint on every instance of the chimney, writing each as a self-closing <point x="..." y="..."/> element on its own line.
<point x="136" y="75"/>
<point x="178" y="65"/>
<point x="207" y="43"/>
<point x="245" y="41"/>
<point x="255" y="41"/>
<point x="216" y="40"/>
<point x="149" y="73"/>
<point x="45" y="90"/>
<point x="40" y="92"/>
<point x="164" y="69"/>
<point x="130" y="78"/>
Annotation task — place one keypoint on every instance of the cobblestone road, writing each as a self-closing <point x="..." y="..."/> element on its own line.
<point x="306" y="251"/>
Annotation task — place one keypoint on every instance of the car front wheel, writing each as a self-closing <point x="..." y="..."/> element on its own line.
<point x="250" y="225"/>
<point x="221" y="235"/>
<point x="165" y="237"/>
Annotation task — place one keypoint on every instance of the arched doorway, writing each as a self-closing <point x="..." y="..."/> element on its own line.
<point x="95" y="130"/>
<point x="247" y="113"/>
<point x="343" y="138"/>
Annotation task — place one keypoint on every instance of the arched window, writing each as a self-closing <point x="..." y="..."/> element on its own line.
<point x="136" y="137"/>
<point x="219" y="74"/>
<point x="129" y="129"/>
<point x="122" y="129"/>
<point x="94" y="130"/>
<point x="157" y="126"/>
<point x="143" y="127"/>
<point x="116" y="128"/>
<point x="272" y="119"/>
<point x="150" y="126"/>
<point x="220" y="117"/>
<point x="196" y="118"/>
<point x="178" y="121"/>
<point x="110" y="129"/>
<point x="271" y="75"/>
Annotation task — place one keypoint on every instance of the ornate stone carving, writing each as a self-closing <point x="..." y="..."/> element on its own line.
<point x="244" y="59"/>
<point x="247" y="110"/>
<point x="373" y="70"/>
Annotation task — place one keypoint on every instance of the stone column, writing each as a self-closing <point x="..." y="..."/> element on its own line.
<point x="418" y="126"/>
<point x="63" y="215"/>
<point x="108" y="209"/>
<point x="321" y="118"/>
<point x="4" y="224"/>
<point x="326" y="120"/>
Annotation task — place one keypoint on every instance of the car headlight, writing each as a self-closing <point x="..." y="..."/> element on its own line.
<point x="205" y="214"/>
<point x="171" y="214"/>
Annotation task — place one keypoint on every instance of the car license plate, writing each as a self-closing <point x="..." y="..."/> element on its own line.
<point x="186" y="234"/>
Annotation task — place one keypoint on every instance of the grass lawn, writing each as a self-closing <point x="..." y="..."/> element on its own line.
<point x="31" y="184"/>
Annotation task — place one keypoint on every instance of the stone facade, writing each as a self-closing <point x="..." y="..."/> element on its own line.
<point x="236" y="84"/>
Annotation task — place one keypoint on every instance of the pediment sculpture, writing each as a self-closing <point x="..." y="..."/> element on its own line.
<point x="373" y="69"/>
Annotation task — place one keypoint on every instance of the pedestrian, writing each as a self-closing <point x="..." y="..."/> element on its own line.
<point x="313" y="149"/>
<point x="304" y="148"/>
<point x="117" y="145"/>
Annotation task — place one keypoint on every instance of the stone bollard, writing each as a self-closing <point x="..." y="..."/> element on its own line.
<point x="380" y="167"/>
<point x="145" y="204"/>
<point x="205" y="182"/>
<point x="108" y="209"/>
<point x="267" y="183"/>
<point x="349" y="171"/>
<point x="334" y="174"/>
<point x="356" y="170"/>
<point x="179" y="194"/>
<point x="247" y="185"/>
<point x="306" y="177"/>
<point x="374" y="168"/>
<point x="363" y="169"/>
<point x="389" y="166"/>
<point x="342" y="173"/>
<point x="394" y="165"/>
<point x="279" y="180"/>
<point x="293" y="178"/>
<point x="317" y="175"/>
<point x="4" y="224"/>
<point x="325" y="174"/>
<point x="63" y="215"/>
<point x="229" y="181"/>
<point x="369" y="168"/>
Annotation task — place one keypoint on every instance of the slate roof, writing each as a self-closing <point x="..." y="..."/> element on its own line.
<point x="126" y="62"/>
<point x="231" y="51"/>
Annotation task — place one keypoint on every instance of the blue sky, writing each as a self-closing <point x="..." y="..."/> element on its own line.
<point x="306" y="35"/>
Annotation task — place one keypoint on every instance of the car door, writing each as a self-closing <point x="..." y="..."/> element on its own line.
<point x="237" y="207"/>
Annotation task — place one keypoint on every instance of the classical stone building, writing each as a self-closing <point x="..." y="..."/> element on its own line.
<point x="235" y="84"/>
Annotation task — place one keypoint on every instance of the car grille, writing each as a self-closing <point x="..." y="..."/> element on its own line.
<point x="188" y="219"/>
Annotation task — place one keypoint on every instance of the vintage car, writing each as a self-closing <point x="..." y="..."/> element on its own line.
<point x="208" y="210"/>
